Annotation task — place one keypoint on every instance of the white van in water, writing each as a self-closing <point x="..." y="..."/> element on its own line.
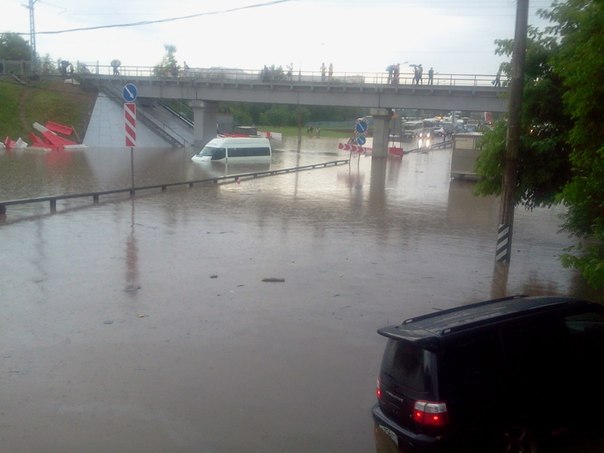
<point x="235" y="149"/>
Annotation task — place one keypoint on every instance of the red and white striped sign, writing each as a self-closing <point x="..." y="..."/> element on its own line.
<point x="130" y="123"/>
<point x="353" y="148"/>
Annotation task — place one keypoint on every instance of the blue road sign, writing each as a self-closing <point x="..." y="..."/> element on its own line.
<point x="129" y="92"/>
<point x="361" y="126"/>
<point x="361" y="140"/>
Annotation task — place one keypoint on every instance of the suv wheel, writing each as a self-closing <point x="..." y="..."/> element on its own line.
<point x="516" y="438"/>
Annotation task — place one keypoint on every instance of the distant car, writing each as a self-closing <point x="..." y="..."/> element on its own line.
<point x="439" y="131"/>
<point x="494" y="376"/>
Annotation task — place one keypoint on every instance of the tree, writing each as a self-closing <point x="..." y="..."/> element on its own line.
<point x="579" y="25"/>
<point x="169" y="65"/>
<point x="47" y="65"/>
<point x="543" y="164"/>
<point x="562" y="153"/>
<point x="14" y="47"/>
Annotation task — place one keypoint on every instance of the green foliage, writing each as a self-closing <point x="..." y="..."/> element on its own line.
<point x="562" y="152"/>
<point x="490" y="163"/>
<point x="9" y="100"/>
<point x="39" y="102"/>
<point x="47" y="65"/>
<point x="13" y="47"/>
<point x="169" y="65"/>
<point x="543" y="160"/>
<point x="272" y="74"/>
<point x="287" y="115"/>
<point x="578" y="26"/>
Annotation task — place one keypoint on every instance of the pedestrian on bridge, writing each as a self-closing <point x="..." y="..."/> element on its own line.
<point x="390" y="70"/>
<point x="497" y="81"/>
<point x="418" y="74"/>
<point x="115" y="64"/>
<point x="431" y="76"/>
<point x="396" y="73"/>
<point x="323" y="72"/>
<point x="290" y="71"/>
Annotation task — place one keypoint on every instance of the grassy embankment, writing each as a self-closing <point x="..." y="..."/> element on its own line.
<point x="41" y="101"/>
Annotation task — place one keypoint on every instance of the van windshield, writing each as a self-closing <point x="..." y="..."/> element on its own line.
<point x="213" y="152"/>
<point x="410" y="366"/>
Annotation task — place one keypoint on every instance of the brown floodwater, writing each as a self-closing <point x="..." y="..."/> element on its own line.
<point x="234" y="317"/>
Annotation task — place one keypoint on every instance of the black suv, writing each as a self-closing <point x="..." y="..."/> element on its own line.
<point x="493" y="375"/>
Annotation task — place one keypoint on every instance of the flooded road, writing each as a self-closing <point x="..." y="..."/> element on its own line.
<point x="239" y="317"/>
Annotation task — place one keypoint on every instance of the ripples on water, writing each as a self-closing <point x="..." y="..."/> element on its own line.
<point x="116" y="329"/>
<point x="397" y="200"/>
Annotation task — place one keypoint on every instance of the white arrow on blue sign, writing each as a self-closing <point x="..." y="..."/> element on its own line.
<point x="361" y="126"/>
<point x="129" y="92"/>
<point x="361" y="140"/>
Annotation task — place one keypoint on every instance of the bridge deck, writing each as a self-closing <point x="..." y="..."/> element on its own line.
<point x="370" y="90"/>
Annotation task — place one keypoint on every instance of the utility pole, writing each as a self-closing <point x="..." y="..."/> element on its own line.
<point x="32" y="38"/>
<point x="510" y="177"/>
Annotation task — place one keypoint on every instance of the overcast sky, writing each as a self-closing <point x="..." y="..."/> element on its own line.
<point x="453" y="36"/>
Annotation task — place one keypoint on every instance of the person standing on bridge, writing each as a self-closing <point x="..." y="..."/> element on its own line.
<point x="390" y="70"/>
<point x="497" y="81"/>
<point x="290" y="71"/>
<point x="420" y="71"/>
<point x="396" y="74"/>
<point x="323" y="72"/>
<point x="330" y="73"/>
<point x="115" y="64"/>
<point x="431" y="76"/>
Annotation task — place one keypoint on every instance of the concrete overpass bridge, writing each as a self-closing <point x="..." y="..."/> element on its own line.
<point x="204" y="88"/>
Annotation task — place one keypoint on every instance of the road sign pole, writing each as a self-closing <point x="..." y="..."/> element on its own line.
<point x="132" y="171"/>
<point x="129" y="93"/>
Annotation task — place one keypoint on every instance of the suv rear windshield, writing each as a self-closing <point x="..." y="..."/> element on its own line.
<point x="410" y="366"/>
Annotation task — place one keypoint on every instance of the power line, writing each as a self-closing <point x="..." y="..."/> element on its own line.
<point x="159" y="21"/>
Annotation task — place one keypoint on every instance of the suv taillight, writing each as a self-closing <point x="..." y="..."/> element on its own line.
<point x="378" y="390"/>
<point x="430" y="414"/>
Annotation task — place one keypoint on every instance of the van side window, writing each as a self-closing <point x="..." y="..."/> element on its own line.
<point x="249" y="152"/>
<point x="219" y="153"/>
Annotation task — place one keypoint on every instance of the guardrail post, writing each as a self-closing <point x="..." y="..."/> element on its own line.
<point x="95" y="199"/>
<point x="53" y="205"/>
<point x="2" y="209"/>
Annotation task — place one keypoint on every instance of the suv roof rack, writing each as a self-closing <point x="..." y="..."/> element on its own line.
<point x="461" y="308"/>
<point x="427" y="328"/>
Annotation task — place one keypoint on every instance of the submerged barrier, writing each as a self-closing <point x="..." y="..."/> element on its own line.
<point x="234" y="178"/>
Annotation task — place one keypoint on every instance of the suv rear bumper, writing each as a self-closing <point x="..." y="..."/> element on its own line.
<point x="405" y="437"/>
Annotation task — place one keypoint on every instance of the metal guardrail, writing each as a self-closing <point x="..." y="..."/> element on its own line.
<point x="216" y="180"/>
<point x="21" y="67"/>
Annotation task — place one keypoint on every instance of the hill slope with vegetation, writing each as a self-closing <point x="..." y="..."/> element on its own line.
<point x="41" y="101"/>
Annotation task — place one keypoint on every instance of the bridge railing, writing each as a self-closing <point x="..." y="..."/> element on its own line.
<point x="313" y="77"/>
<point x="21" y="67"/>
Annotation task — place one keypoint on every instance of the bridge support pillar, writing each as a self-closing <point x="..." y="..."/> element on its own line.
<point x="381" y="132"/>
<point x="205" y="121"/>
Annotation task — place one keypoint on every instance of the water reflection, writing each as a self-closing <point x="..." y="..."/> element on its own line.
<point x="132" y="273"/>
<point x="406" y="201"/>
<point x="220" y="169"/>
